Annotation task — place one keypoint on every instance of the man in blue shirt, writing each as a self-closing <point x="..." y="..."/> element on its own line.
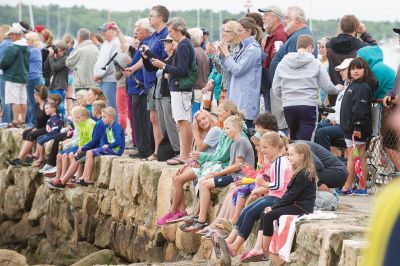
<point x="5" y="42"/>
<point x="295" y="24"/>
<point x="157" y="19"/>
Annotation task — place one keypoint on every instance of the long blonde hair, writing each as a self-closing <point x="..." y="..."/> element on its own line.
<point x="203" y="132"/>
<point x="307" y="163"/>
<point x="234" y="27"/>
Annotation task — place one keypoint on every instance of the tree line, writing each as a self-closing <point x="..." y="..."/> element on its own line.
<point x="63" y="20"/>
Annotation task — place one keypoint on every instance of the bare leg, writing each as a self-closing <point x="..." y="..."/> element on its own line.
<point x="394" y="157"/>
<point x="70" y="172"/>
<point x="16" y="111"/>
<point x="266" y="240"/>
<point x="65" y="164"/>
<point x="178" y="196"/>
<point x="258" y="247"/>
<point x="26" y="149"/>
<point x="156" y="129"/>
<point x="325" y="188"/>
<point x="185" y="138"/>
<point x="40" y="151"/>
<point x="89" y="164"/>
<point x="232" y="236"/>
<point x="22" y="108"/>
<point x="79" y="172"/>
<point x="240" y="202"/>
<point x="350" y="169"/>
<point x="205" y="195"/>
<point x="236" y="245"/>
<point x="363" y="159"/>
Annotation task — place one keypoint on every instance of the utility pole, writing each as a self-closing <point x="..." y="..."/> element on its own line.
<point x="20" y="11"/>
<point x="31" y="16"/>
<point x="58" y="23"/>
<point x="198" y="18"/>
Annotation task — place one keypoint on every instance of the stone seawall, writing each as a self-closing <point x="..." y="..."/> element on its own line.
<point x="119" y="214"/>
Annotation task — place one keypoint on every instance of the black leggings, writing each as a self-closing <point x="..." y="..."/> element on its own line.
<point x="333" y="178"/>
<point x="54" y="149"/>
<point x="31" y="135"/>
<point x="267" y="220"/>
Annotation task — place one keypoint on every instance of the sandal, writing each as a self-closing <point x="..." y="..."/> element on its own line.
<point x="84" y="183"/>
<point x="152" y="157"/>
<point x="195" y="227"/>
<point x="254" y="257"/>
<point x="175" y="161"/>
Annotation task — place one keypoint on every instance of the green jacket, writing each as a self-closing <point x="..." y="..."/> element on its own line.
<point x="85" y="129"/>
<point x="222" y="152"/>
<point x="15" y="63"/>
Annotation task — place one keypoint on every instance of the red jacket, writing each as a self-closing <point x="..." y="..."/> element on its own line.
<point x="278" y="34"/>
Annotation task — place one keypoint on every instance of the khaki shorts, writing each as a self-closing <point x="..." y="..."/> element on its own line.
<point x="151" y="102"/>
<point x="181" y="103"/>
<point x="15" y="93"/>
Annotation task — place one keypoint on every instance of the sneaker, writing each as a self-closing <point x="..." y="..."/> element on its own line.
<point x="360" y="192"/>
<point x="45" y="168"/>
<point x="342" y="191"/>
<point x="52" y="170"/>
<point x="178" y="217"/>
<point x="56" y="184"/>
<point x="164" y="218"/>
<point x="15" y="162"/>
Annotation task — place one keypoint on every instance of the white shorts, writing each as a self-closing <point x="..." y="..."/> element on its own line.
<point x="15" y="93"/>
<point x="181" y="103"/>
<point x="349" y="142"/>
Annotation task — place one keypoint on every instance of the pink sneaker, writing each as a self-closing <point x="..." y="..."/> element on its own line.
<point x="164" y="218"/>
<point x="177" y="217"/>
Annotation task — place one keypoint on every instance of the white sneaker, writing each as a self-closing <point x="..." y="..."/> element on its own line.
<point x="52" y="170"/>
<point x="45" y="168"/>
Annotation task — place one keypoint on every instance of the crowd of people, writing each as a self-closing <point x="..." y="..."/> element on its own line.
<point x="166" y="82"/>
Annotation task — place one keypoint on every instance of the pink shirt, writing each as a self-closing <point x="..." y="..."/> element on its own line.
<point x="280" y="174"/>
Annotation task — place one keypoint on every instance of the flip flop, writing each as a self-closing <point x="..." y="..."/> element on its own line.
<point x="152" y="157"/>
<point x="83" y="183"/>
<point x="214" y="240"/>
<point x="195" y="227"/>
<point x="226" y="255"/>
<point x="244" y="255"/>
<point x="175" y="161"/>
<point x="254" y="257"/>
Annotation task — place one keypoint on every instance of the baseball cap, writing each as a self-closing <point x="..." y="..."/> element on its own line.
<point x="345" y="64"/>
<point x="39" y="28"/>
<point x="15" y="28"/>
<point x="274" y="9"/>
<point x="167" y="39"/>
<point x="397" y="30"/>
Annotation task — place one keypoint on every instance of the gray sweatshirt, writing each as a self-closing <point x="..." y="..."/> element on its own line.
<point x="297" y="79"/>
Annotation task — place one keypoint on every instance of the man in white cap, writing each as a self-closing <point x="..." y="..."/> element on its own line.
<point x="15" y="65"/>
<point x="273" y="25"/>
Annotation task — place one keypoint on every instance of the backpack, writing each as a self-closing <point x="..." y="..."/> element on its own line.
<point x="187" y="82"/>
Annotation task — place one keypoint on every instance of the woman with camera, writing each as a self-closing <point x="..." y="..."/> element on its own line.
<point x="59" y="71"/>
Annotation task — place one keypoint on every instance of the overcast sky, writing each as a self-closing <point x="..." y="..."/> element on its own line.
<point x="316" y="9"/>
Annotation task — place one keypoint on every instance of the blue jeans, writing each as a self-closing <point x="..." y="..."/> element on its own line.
<point x="5" y="108"/>
<point x="110" y="90"/>
<point x="30" y="89"/>
<point x="267" y="101"/>
<point x="251" y="213"/>
<point x="327" y="133"/>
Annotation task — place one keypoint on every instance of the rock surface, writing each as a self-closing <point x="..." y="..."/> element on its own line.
<point x="119" y="213"/>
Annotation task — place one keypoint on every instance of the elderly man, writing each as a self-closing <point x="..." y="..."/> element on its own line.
<point x="82" y="60"/>
<point x="272" y="18"/>
<point x="105" y="75"/>
<point x="15" y="65"/>
<point x="295" y="25"/>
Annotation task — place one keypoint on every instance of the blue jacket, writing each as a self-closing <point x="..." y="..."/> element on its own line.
<point x="290" y="46"/>
<point x="132" y="85"/>
<point x="157" y="49"/>
<point x="97" y="134"/>
<point x="245" y="85"/>
<point x="54" y="125"/>
<point x="383" y="73"/>
<point x="119" y="138"/>
<point x="35" y="63"/>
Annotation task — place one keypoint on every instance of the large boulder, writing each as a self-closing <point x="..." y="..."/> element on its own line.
<point x="104" y="256"/>
<point x="12" y="258"/>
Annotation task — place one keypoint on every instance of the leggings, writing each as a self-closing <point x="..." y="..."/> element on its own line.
<point x="31" y="135"/>
<point x="251" y="213"/>
<point x="54" y="149"/>
<point x="333" y="178"/>
<point x="267" y="220"/>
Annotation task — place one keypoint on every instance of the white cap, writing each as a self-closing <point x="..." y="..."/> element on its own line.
<point x="15" y="28"/>
<point x="345" y="64"/>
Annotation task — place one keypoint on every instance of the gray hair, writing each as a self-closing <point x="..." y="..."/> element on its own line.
<point x="144" y="23"/>
<point x="83" y="34"/>
<point x="195" y="36"/>
<point x="178" y="24"/>
<point x="298" y="12"/>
